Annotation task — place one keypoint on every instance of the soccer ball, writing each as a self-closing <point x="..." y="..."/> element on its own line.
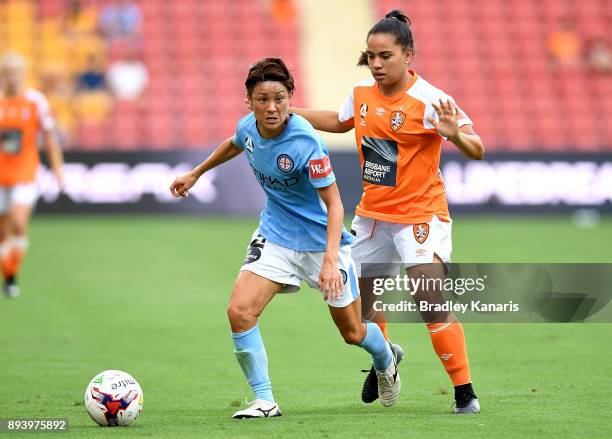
<point x="113" y="398"/>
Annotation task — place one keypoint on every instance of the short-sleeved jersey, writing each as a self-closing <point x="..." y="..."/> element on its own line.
<point x="21" y="120"/>
<point x="399" y="150"/>
<point x="290" y="168"/>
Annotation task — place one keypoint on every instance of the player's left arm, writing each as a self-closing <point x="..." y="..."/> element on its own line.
<point x="464" y="137"/>
<point x="55" y="155"/>
<point x="330" y="279"/>
<point x="51" y="144"/>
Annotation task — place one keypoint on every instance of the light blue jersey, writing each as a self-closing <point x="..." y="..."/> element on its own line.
<point x="290" y="168"/>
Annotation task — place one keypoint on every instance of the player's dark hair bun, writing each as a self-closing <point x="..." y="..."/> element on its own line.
<point x="399" y="15"/>
<point x="394" y="23"/>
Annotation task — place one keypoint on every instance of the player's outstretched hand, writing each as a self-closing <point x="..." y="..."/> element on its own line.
<point x="181" y="184"/>
<point x="330" y="281"/>
<point x="448" y="119"/>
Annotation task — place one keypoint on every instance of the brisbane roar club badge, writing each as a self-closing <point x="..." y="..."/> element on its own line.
<point x="397" y="120"/>
<point x="421" y="232"/>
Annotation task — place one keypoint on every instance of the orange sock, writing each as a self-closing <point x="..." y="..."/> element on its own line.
<point x="6" y="260"/>
<point x="12" y="252"/>
<point x="448" y="341"/>
<point x="16" y="259"/>
<point x="7" y="267"/>
<point x="383" y="328"/>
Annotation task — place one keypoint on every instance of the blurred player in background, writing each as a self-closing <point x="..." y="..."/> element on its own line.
<point x="400" y="120"/>
<point x="300" y="236"/>
<point x="25" y="120"/>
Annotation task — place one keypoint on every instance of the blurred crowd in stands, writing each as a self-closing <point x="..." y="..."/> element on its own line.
<point x="568" y="49"/>
<point x="109" y="67"/>
<point x="103" y="63"/>
<point x="111" y="85"/>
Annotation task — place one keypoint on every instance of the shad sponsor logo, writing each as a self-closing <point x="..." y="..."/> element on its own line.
<point x="270" y="181"/>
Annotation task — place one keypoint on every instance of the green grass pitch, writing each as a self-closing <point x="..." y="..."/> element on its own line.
<point x="148" y="296"/>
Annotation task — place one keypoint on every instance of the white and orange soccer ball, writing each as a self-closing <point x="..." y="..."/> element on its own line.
<point x="113" y="398"/>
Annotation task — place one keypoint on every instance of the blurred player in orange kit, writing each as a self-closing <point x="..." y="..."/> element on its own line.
<point x="25" y="120"/>
<point x="400" y="121"/>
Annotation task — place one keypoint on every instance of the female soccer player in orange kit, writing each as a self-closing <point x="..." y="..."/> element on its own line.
<point x="24" y="116"/>
<point x="400" y="121"/>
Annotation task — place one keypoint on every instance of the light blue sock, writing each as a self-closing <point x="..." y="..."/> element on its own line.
<point x="374" y="343"/>
<point x="251" y="355"/>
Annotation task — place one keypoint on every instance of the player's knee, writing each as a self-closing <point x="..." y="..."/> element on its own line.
<point x="240" y="315"/>
<point x="19" y="228"/>
<point x="353" y="336"/>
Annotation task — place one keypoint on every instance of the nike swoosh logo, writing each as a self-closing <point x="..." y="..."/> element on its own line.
<point x="266" y="412"/>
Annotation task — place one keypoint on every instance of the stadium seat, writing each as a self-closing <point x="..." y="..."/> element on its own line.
<point x="196" y="41"/>
<point x="507" y="42"/>
<point x="498" y="50"/>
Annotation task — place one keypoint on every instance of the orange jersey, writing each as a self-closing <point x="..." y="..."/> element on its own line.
<point x="21" y="120"/>
<point x="399" y="150"/>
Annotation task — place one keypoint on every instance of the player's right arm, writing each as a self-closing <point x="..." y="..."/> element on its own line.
<point x="323" y="120"/>
<point x="224" y="152"/>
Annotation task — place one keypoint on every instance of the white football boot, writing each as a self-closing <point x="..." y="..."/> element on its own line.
<point x="466" y="401"/>
<point x="259" y="409"/>
<point x="389" y="384"/>
<point x="12" y="290"/>
<point x="369" y="392"/>
<point x="470" y="407"/>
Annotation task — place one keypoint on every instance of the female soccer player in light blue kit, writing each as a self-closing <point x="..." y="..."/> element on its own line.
<point x="300" y="234"/>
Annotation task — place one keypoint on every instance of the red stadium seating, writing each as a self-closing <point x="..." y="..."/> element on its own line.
<point x="490" y="55"/>
<point x="197" y="54"/>
<point x="520" y="100"/>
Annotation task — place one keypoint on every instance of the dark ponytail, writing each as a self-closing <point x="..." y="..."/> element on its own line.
<point x="395" y="23"/>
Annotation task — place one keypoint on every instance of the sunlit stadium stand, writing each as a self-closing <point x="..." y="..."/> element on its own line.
<point x="491" y="55"/>
<point x="197" y="54"/>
